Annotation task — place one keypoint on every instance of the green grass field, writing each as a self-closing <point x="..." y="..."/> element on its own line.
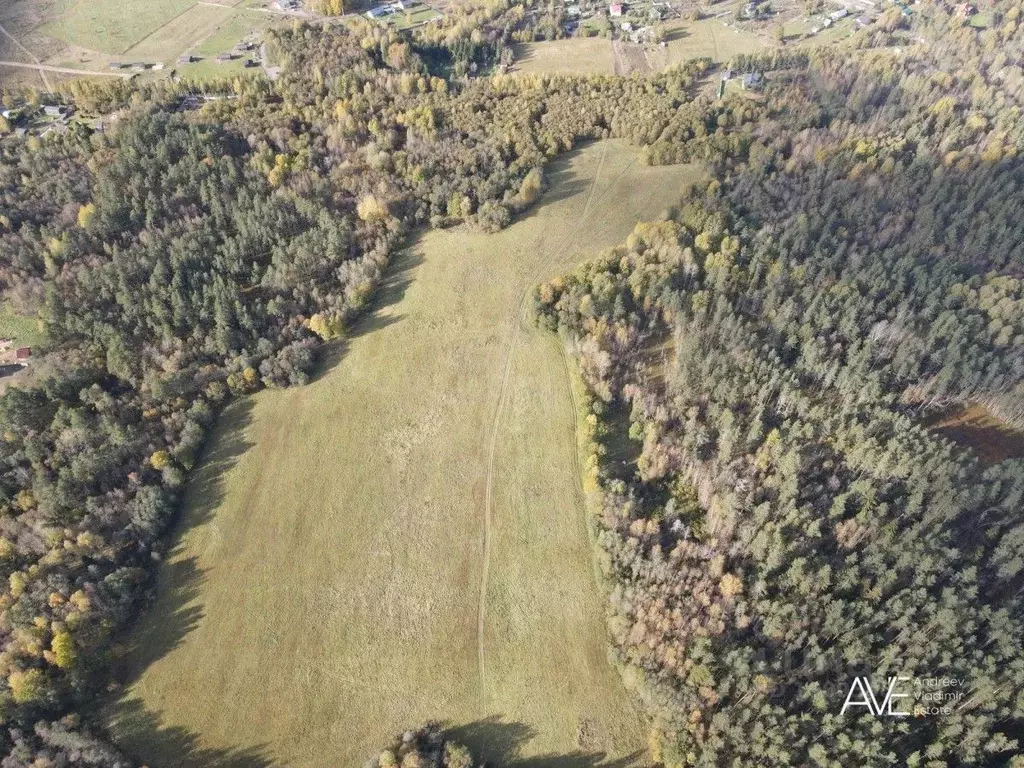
<point x="590" y="55"/>
<point x="325" y="591"/>
<point x="113" y="27"/>
<point x="710" y="38"/>
<point x="151" y="31"/>
<point x="24" y="330"/>
<point x="414" y="18"/>
<point x="184" y="32"/>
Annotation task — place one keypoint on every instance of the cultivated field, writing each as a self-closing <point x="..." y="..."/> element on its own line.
<point x="586" y="56"/>
<point x="345" y="543"/>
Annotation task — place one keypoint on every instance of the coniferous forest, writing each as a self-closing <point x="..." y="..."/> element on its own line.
<point x="775" y="513"/>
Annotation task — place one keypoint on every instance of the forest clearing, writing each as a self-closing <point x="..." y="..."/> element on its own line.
<point x="326" y="587"/>
<point x="592" y="55"/>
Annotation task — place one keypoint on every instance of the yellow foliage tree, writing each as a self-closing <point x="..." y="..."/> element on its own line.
<point x="529" y="190"/>
<point x="26" y="685"/>
<point x="326" y="325"/>
<point x="371" y="209"/>
<point x="85" y="215"/>
<point x="160" y="459"/>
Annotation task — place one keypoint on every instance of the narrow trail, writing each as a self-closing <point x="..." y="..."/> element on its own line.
<point x="40" y="67"/>
<point x="495" y="422"/>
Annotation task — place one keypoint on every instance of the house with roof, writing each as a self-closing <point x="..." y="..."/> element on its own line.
<point x="752" y="81"/>
<point x="616" y="9"/>
<point x="23" y="353"/>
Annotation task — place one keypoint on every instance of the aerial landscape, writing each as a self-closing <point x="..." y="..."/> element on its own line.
<point x="455" y="383"/>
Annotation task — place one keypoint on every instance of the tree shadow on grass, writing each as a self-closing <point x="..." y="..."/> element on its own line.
<point x="139" y="729"/>
<point x="676" y="33"/>
<point x="500" y="744"/>
<point x="172" y="611"/>
<point x="399" y="277"/>
<point x="560" y="181"/>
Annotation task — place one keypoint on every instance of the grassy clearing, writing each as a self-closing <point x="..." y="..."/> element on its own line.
<point x="710" y="38"/>
<point x="576" y="56"/>
<point x="24" y="330"/>
<point x="114" y="27"/>
<point x="325" y="590"/>
<point x="181" y="33"/>
<point x="414" y="18"/>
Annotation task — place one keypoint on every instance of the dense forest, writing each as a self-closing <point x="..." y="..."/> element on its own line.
<point x="854" y="263"/>
<point x="775" y="517"/>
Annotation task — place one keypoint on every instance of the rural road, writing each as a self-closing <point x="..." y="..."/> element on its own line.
<point x="39" y="64"/>
<point x="42" y="68"/>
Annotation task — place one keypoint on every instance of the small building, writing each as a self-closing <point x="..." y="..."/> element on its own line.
<point x="59" y="111"/>
<point x="377" y="13"/>
<point x="249" y="64"/>
<point x="752" y="81"/>
<point x="654" y="13"/>
<point x="964" y="11"/>
<point x="114" y="65"/>
<point x="223" y="58"/>
<point x="138" y="67"/>
<point x="863" y="20"/>
<point x="186" y="58"/>
<point x="572" y="11"/>
<point x="627" y="27"/>
<point x="615" y="9"/>
<point x="837" y="15"/>
<point x="23" y="353"/>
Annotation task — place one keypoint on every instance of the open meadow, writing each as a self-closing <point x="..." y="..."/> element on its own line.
<point x="684" y="40"/>
<point x="589" y="56"/>
<point x="708" y="37"/>
<point x="90" y="37"/>
<point x="403" y="539"/>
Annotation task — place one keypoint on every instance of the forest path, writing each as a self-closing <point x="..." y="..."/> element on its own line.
<point x="332" y="547"/>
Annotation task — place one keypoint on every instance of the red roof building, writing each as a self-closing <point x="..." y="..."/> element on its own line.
<point x="23" y="353"/>
<point x="615" y="9"/>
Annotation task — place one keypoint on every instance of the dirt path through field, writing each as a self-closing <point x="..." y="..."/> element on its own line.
<point x="404" y="538"/>
<point x="38" y="64"/>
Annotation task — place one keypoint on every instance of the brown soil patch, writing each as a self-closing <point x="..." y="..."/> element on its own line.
<point x="975" y="427"/>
